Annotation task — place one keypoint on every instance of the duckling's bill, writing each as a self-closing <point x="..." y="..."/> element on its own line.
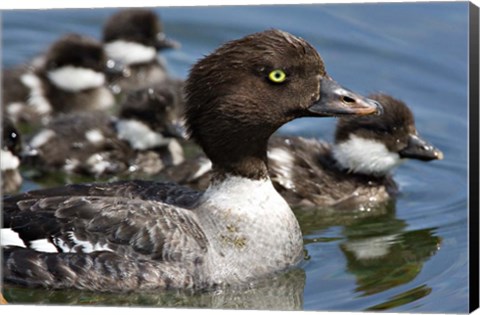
<point x="419" y="149"/>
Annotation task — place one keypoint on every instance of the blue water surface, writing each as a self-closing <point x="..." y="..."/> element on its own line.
<point x="414" y="255"/>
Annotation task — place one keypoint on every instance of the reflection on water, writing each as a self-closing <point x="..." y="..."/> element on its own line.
<point x="387" y="258"/>
<point x="380" y="252"/>
<point x="282" y="292"/>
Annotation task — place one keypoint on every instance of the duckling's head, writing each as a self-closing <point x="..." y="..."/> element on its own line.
<point x="137" y="26"/>
<point x="160" y="108"/>
<point x="374" y="145"/>
<point x="76" y="62"/>
<point x="76" y="50"/>
<point x="246" y="89"/>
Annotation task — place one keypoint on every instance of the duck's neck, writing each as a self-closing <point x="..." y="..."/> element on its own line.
<point x="254" y="168"/>
<point x="243" y="155"/>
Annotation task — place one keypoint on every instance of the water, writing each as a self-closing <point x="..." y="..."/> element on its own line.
<point x="417" y="246"/>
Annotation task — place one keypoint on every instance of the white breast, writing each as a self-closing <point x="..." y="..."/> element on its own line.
<point x="74" y="79"/>
<point x="252" y="229"/>
<point x="129" y="52"/>
<point x="246" y="196"/>
<point x="365" y="156"/>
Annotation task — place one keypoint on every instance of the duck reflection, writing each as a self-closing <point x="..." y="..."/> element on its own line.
<point x="380" y="251"/>
<point x="281" y="292"/>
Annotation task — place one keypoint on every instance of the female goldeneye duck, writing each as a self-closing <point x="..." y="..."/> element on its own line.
<point x="70" y="77"/>
<point x="355" y="171"/>
<point x="133" y="37"/>
<point x="10" y="157"/>
<point x="140" y="141"/>
<point x="140" y="235"/>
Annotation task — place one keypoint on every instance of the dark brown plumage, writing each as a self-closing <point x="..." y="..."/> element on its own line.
<point x="253" y="110"/>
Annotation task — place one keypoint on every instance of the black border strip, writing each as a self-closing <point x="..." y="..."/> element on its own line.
<point x="474" y="235"/>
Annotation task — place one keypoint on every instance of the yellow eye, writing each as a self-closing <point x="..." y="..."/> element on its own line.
<point x="277" y="76"/>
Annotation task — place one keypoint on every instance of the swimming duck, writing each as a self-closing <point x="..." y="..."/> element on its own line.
<point x="355" y="173"/>
<point x="141" y="235"/>
<point x="10" y="157"/>
<point x="140" y="140"/>
<point x="133" y="37"/>
<point x="69" y="77"/>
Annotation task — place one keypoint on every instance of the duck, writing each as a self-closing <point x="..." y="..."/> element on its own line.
<point x="150" y="235"/>
<point x="69" y="77"/>
<point x="10" y="157"/>
<point x="133" y="38"/>
<point x="355" y="173"/>
<point x="140" y="140"/>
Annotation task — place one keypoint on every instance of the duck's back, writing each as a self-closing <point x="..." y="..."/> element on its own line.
<point x="102" y="237"/>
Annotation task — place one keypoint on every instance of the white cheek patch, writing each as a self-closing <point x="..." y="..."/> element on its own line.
<point x="365" y="156"/>
<point x="8" y="161"/>
<point x="41" y="138"/>
<point x="139" y="135"/>
<point x="282" y="163"/>
<point x="74" y="79"/>
<point x="129" y="52"/>
<point x="37" y="98"/>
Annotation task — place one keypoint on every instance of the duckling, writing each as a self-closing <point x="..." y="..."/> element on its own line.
<point x="140" y="141"/>
<point x="134" y="37"/>
<point x="356" y="171"/>
<point x="69" y="78"/>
